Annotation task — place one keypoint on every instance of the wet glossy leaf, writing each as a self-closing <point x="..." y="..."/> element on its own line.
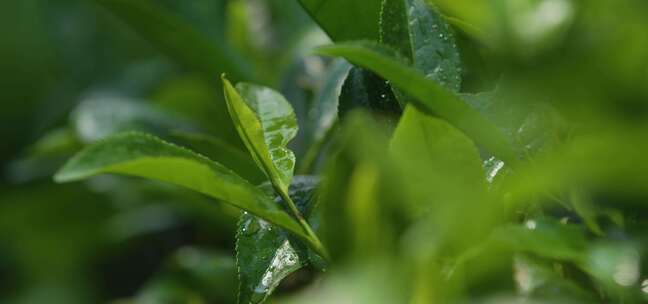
<point x="363" y="89"/>
<point x="346" y="20"/>
<point x="266" y="123"/>
<point x="427" y="94"/>
<point x="419" y="32"/>
<point x="265" y="253"/>
<point x="146" y="156"/>
<point x="177" y="38"/>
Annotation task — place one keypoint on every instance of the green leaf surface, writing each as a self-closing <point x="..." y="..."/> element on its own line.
<point x="220" y="151"/>
<point x="265" y="253"/>
<point x="177" y="38"/>
<point x="345" y="20"/>
<point x="364" y="89"/>
<point x="529" y="126"/>
<point x="440" y="161"/>
<point x="360" y="199"/>
<point x="419" y="32"/>
<point x="266" y="123"/>
<point x="427" y="94"/>
<point x="142" y="155"/>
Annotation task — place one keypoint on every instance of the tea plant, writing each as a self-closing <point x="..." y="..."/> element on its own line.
<point x="463" y="151"/>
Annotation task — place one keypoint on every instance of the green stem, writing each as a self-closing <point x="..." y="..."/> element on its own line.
<point x="313" y="240"/>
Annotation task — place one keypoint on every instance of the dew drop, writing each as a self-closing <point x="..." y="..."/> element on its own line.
<point x="251" y="227"/>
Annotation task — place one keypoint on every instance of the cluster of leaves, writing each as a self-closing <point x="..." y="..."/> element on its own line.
<point x="455" y="151"/>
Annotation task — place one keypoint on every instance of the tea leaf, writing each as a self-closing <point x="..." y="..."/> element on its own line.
<point x="440" y="162"/>
<point x="146" y="156"/>
<point x="429" y="96"/>
<point x="419" y="32"/>
<point x="364" y="89"/>
<point x="265" y="253"/>
<point x="266" y="123"/>
<point x="345" y="20"/>
<point x="218" y="150"/>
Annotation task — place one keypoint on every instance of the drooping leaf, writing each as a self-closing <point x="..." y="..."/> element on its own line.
<point x="177" y="38"/>
<point x="427" y="94"/>
<point x="220" y="151"/>
<point x="419" y="32"/>
<point x="266" y="123"/>
<point x="142" y="155"/>
<point x="265" y="253"/>
<point x="346" y="20"/>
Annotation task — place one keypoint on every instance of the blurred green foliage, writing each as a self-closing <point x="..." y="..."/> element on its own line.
<point x="456" y="151"/>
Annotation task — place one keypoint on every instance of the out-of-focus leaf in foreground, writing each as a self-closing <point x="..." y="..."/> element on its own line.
<point x="440" y="163"/>
<point x="359" y="205"/>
